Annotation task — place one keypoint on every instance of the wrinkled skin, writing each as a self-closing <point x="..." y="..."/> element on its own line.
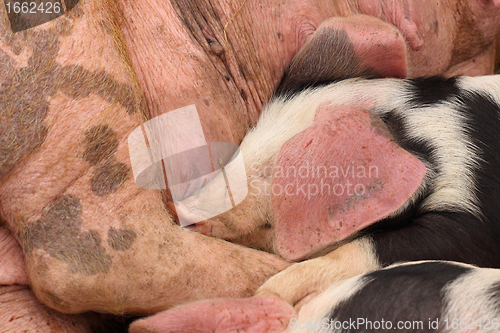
<point x="92" y="239"/>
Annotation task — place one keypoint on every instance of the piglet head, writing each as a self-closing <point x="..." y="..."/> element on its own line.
<point x="338" y="176"/>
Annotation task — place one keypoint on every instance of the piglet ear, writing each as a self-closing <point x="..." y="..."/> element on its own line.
<point x="335" y="178"/>
<point x="347" y="47"/>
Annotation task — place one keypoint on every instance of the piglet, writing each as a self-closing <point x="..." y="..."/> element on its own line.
<point x="424" y="296"/>
<point x="360" y="174"/>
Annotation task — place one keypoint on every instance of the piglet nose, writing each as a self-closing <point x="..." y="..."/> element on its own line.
<point x="171" y="207"/>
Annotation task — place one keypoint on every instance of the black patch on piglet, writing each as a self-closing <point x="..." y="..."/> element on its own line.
<point x="328" y="56"/>
<point x="428" y="91"/>
<point x="58" y="232"/>
<point x="403" y="293"/>
<point x="481" y="113"/>
<point x="420" y="149"/>
<point x="121" y="240"/>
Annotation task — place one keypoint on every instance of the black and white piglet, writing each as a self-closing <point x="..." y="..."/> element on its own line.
<point x="360" y="174"/>
<point x="423" y="296"/>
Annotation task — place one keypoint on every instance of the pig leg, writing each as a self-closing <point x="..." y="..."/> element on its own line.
<point x="12" y="267"/>
<point x="302" y="281"/>
<point x="19" y="308"/>
<point x="22" y="312"/>
<point x="252" y="315"/>
<point x="94" y="240"/>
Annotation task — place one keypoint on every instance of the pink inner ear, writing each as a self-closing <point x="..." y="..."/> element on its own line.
<point x="337" y="177"/>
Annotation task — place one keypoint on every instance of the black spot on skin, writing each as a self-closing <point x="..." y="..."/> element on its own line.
<point x="58" y="232"/>
<point x="328" y="56"/>
<point x="25" y="20"/>
<point x="23" y="106"/>
<point x="108" y="177"/>
<point x="121" y="240"/>
<point x="100" y="144"/>
<point x="100" y="83"/>
<point x="25" y="91"/>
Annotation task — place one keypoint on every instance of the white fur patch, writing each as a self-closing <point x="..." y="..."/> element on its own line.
<point x="456" y="158"/>
<point x="469" y="298"/>
<point x="318" y="310"/>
